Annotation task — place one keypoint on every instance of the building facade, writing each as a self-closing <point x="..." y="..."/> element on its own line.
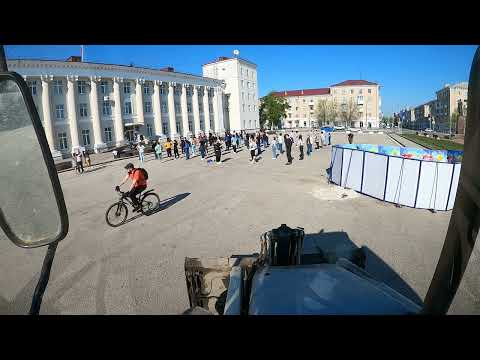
<point x="241" y="85"/>
<point x="99" y="106"/>
<point x="303" y="103"/>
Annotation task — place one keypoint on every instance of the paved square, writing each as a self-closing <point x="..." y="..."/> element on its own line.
<point x="211" y="211"/>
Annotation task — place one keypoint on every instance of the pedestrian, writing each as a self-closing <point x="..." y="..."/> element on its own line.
<point x="323" y="138"/>
<point x="245" y="140"/>
<point x="234" y="143"/>
<point x="182" y="144"/>
<point x="317" y="142"/>
<point x="187" y="146"/>
<point x="252" y="146"/>
<point x="210" y="139"/>
<point x="274" y="148"/>
<point x="300" y="145"/>
<point x="238" y="140"/>
<point x="175" y="149"/>
<point x="258" y="140"/>
<point x="309" y="145"/>
<point x="329" y="133"/>
<point x="280" y="144"/>
<point x="168" y="147"/>
<point x="87" y="158"/>
<point x="141" y="152"/>
<point x="158" y="151"/>
<point x="350" y="138"/>
<point x="218" y="151"/>
<point x="154" y="145"/>
<point x="202" y="147"/>
<point x="115" y="154"/>
<point x="288" y="146"/>
<point x="79" y="162"/>
<point x="194" y="145"/>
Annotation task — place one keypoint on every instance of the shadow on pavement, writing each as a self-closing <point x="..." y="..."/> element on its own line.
<point x="225" y="160"/>
<point x="165" y="204"/>
<point x="338" y="244"/>
<point x="89" y="170"/>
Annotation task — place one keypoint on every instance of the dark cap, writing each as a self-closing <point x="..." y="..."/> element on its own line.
<point x="129" y="166"/>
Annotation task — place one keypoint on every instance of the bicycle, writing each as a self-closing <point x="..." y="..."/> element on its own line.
<point x="117" y="213"/>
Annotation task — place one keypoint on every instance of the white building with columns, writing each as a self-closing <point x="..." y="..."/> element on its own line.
<point x="100" y="106"/>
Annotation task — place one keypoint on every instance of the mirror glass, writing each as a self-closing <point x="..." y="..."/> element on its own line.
<point x="27" y="200"/>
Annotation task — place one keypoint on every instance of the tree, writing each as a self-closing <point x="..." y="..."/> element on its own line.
<point x="349" y="112"/>
<point x="326" y="111"/>
<point x="272" y="110"/>
<point x="454" y="120"/>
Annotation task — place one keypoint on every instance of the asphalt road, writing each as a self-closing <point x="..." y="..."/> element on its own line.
<point x="214" y="211"/>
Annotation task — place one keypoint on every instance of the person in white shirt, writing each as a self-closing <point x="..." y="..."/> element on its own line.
<point x="141" y="152"/>
<point x="280" y="144"/>
<point x="252" y="145"/>
<point x="300" y="145"/>
<point x="274" y="148"/>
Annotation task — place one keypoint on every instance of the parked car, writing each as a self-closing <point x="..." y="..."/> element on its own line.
<point x="328" y="128"/>
<point x="339" y="128"/>
<point x="428" y="130"/>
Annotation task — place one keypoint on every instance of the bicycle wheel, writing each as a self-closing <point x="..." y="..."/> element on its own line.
<point x="150" y="202"/>
<point x="116" y="214"/>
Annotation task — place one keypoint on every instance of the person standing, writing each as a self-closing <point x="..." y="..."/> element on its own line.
<point x="87" y="158"/>
<point x="202" y="148"/>
<point x="187" y="146"/>
<point x="154" y="145"/>
<point x="259" y="148"/>
<point x="175" y="149"/>
<point x="300" y="145"/>
<point x="280" y="144"/>
<point x="288" y="146"/>
<point x="78" y="161"/>
<point x="238" y="140"/>
<point x="194" y="145"/>
<point x="274" y="148"/>
<point x="168" y="147"/>
<point x="252" y="146"/>
<point x="350" y="138"/>
<point x="158" y="151"/>
<point x="217" y="147"/>
<point x="323" y="139"/>
<point x="330" y="138"/>
<point x="141" y="152"/>
<point x="317" y="143"/>
<point x="182" y="144"/>
<point x="309" y="145"/>
<point x="234" y="143"/>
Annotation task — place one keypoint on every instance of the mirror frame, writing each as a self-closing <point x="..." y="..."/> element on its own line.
<point x="49" y="163"/>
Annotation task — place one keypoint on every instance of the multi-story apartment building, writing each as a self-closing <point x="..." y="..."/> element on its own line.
<point x="303" y="103"/>
<point x="96" y="106"/>
<point x="240" y="77"/>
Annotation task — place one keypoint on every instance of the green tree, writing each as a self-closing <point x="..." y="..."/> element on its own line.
<point x="326" y="111"/>
<point x="349" y="112"/>
<point x="272" y="110"/>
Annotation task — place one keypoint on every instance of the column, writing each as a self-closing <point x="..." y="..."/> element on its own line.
<point x="118" y="121"/>
<point x="206" y="110"/>
<point x="183" y="104"/>
<point x="171" y="110"/>
<point x="97" y="127"/>
<point x="218" y="110"/>
<point x="196" y="110"/>
<point x="72" y="111"/>
<point x="47" y="116"/>
<point x="157" y="109"/>
<point x="139" y="101"/>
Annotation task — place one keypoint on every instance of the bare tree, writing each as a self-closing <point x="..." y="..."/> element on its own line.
<point x="326" y="111"/>
<point x="349" y="112"/>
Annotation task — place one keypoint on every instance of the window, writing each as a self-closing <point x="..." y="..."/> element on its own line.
<point x="243" y="95"/>
<point x="249" y="107"/>
<point x="311" y="107"/>
<point x="104" y="87"/>
<point x="210" y="108"/>
<point x="146" y="90"/>
<point x="164" y="128"/>
<point x="254" y="107"/>
<point x="177" y="108"/>
<point x="247" y="72"/>
<point x="59" y="112"/>
<point x="351" y="91"/>
<point x="190" y="125"/>
<point x="241" y="71"/>
<point x="304" y="123"/>
<point x="164" y="107"/>
<point x="248" y="96"/>
<point x="189" y="91"/>
<point x="248" y="84"/>
<point x="369" y="91"/>
<point x="86" y="137"/>
<point x="178" y="126"/>
<point x="106" y="108"/>
<point x="149" y="130"/>
<point x="62" y="138"/>
<point x="126" y="88"/>
<point x="127" y="108"/>
<point x="83" y="110"/>
<point x="178" y="90"/>
<point x="243" y="107"/>
<point x="57" y="87"/>
<point x="304" y="101"/>
<point x="296" y="108"/>
<point x="108" y="134"/>
<point x="243" y="84"/>
<point x="289" y="115"/>
<point x="162" y="90"/>
<point x="343" y="92"/>
<point x="200" y="107"/>
<point x="33" y="87"/>
<point x="189" y="108"/>
<point x="81" y="87"/>
<point x="148" y="107"/>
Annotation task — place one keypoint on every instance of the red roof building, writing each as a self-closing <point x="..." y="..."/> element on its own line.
<point x="303" y="92"/>
<point x="354" y="83"/>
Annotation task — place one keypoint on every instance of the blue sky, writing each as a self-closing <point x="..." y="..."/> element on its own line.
<point x="409" y="75"/>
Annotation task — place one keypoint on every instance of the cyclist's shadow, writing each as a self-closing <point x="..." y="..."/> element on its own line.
<point x="164" y="204"/>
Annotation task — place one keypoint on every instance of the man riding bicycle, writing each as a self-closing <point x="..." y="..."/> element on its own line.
<point x="139" y="183"/>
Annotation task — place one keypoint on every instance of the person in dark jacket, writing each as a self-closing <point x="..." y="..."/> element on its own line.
<point x="175" y="149"/>
<point x="217" y="147"/>
<point x="182" y="145"/>
<point x="288" y="146"/>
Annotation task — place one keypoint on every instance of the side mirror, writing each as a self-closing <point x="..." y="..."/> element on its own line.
<point x="32" y="208"/>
